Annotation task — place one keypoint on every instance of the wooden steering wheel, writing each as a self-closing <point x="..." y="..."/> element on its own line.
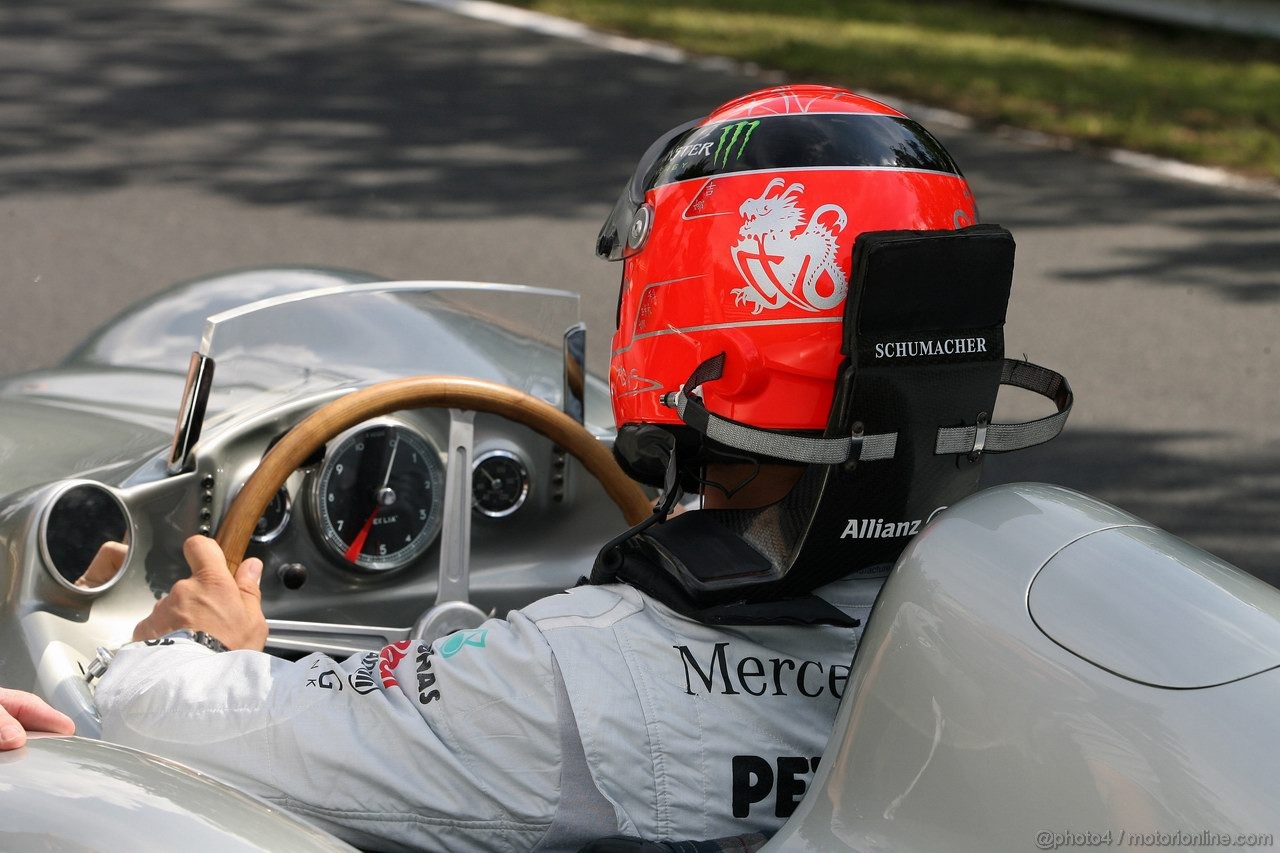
<point x="453" y="392"/>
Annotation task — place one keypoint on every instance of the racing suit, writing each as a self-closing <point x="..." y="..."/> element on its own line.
<point x="595" y="712"/>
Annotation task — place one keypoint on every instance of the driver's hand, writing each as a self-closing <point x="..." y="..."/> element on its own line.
<point x="211" y="600"/>
<point x="106" y="563"/>
<point x="25" y="712"/>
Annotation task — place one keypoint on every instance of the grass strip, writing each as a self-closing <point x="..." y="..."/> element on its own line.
<point x="1204" y="98"/>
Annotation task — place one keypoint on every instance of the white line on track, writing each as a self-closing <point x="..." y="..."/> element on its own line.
<point x="550" y="25"/>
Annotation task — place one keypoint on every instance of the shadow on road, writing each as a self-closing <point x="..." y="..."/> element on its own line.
<point x="1226" y="505"/>
<point x="1228" y="250"/>
<point x="358" y="109"/>
<point x="365" y="110"/>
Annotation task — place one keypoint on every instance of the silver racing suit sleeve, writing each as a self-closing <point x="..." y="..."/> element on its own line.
<point x="454" y="745"/>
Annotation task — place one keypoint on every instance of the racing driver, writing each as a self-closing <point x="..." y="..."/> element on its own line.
<point x="688" y="690"/>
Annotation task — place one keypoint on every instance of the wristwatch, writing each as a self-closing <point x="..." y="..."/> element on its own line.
<point x="202" y="637"/>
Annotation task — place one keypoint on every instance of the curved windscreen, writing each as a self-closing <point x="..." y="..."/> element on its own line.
<point x="313" y="342"/>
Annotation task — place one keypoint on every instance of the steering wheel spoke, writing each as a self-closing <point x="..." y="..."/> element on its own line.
<point x="454" y="578"/>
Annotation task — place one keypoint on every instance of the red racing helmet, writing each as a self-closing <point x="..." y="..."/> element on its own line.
<point x="736" y="235"/>
<point x="804" y="282"/>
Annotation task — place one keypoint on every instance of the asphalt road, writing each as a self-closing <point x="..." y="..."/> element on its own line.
<point x="142" y="143"/>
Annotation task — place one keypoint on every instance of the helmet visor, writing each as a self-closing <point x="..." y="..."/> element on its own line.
<point x="612" y="243"/>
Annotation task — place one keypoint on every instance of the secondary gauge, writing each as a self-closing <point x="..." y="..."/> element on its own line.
<point x="499" y="483"/>
<point x="274" y="519"/>
<point x="377" y="498"/>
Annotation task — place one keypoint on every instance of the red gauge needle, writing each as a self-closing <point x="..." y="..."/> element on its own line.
<point x="383" y="497"/>
<point x="357" y="545"/>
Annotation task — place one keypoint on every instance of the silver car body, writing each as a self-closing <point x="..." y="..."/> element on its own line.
<point x="1038" y="662"/>
<point x="1042" y="669"/>
<point x="73" y="794"/>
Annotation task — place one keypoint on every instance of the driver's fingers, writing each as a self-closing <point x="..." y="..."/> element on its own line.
<point x="206" y="559"/>
<point x="249" y="576"/>
<point x="21" y="712"/>
<point x="106" y="563"/>
<point x="12" y="735"/>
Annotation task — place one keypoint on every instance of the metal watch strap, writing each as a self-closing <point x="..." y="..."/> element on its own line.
<point x="203" y="638"/>
<point x="99" y="665"/>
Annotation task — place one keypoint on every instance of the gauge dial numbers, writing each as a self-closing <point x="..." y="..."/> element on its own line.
<point x="499" y="483"/>
<point x="377" y="500"/>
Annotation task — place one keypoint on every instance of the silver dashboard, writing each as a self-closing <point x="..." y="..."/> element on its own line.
<point x="103" y="419"/>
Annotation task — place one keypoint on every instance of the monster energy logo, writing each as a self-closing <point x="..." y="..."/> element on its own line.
<point x="727" y="141"/>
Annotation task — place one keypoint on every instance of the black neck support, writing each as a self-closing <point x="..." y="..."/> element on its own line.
<point x="909" y="425"/>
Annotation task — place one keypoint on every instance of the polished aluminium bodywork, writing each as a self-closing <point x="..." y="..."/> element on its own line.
<point x="1038" y="661"/>
<point x="109" y="392"/>
<point x="1041" y="662"/>
<point x="73" y="794"/>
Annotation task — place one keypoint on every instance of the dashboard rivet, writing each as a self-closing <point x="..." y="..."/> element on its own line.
<point x="205" y="530"/>
<point x="205" y="513"/>
<point x="207" y="497"/>
<point x="207" y="481"/>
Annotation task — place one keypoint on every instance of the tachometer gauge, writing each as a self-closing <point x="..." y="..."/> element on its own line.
<point x="499" y="483"/>
<point x="377" y="499"/>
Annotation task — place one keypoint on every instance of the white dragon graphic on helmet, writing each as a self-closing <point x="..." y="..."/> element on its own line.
<point x="781" y="266"/>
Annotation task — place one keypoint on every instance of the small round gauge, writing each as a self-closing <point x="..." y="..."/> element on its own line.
<point x="377" y="499"/>
<point x="499" y="483"/>
<point x="274" y="519"/>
